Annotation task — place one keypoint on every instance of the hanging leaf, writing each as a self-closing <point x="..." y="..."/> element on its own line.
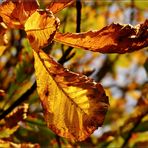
<point x="74" y="105"/>
<point x="41" y="27"/>
<point x="15" y="12"/>
<point x="58" y="6"/>
<point x="115" y="38"/>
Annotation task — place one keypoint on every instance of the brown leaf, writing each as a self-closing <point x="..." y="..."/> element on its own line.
<point x="18" y="114"/>
<point x="41" y="27"/>
<point x="115" y="38"/>
<point x="56" y="6"/>
<point x="15" y="12"/>
<point x="10" y="123"/>
<point x="74" y="105"/>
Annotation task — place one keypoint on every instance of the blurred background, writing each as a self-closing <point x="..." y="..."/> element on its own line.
<point x="124" y="77"/>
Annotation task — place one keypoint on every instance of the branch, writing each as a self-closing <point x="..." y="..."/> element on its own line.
<point x="132" y="11"/>
<point x="106" y="67"/>
<point x="65" y="57"/>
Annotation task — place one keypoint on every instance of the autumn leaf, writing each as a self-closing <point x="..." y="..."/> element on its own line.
<point x="18" y="114"/>
<point x="115" y="38"/>
<point x="55" y="6"/>
<point x="10" y="124"/>
<point x="3" y="43"/>
<point x="6" y="144"/>
<point x="15" y="12"/>
<point x="41" y="27"/>
<point x="74" y="105"/>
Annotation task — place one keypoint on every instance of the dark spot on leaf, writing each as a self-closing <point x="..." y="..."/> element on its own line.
<point x="46" y="92"/>
<point x="31" y="38"/>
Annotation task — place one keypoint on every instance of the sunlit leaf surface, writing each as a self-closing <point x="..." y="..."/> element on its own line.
<point x="15" y="12"/>
<point x="115" y="38"/>
<point x="40" y="28"/>
<point x="74" y="105"/>
<point x="61" y="4"/>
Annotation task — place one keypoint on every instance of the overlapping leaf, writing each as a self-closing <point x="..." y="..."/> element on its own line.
<point x="115" y="38"/>
<point x="40" y="28"/>
<point x="56" y="6"/>
<point x="15" y="12"/>
<point x="74" y="105"/>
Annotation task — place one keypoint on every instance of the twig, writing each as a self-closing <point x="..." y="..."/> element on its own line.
<point x="78" y="7"/>
<point x="58" y="140"/>
<point x="65" y="57"/>
<point x="105" y="68"/>
<point x="132" y="11"/>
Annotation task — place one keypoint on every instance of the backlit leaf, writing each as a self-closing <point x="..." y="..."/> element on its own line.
<point x="15" y="12"/>
<point x="115" y="38"/>
<point x="74" y="105"/>
<point x="41" y="27"/>
<point x="55" y="6"/>
<point x="6" y="132"/>
<point x="2" y="40"/>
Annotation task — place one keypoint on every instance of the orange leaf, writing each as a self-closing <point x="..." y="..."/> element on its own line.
<point x="74" y="105"/>
<point x="61" y="4"/>
<point x="18" y="114"/>
<point x="115" y="38"/>
<point x="41" y="27"/>
<point x="15" y="12"/>
<point x="3" y="42"/>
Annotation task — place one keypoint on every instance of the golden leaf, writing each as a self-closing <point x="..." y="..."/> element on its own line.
<point x="41" y="27"/>
<point x="74" y="105"/>
<point x="57" y="6"/>
<point x="2" y="40"/>
<point x="15" y="12"/>
<point x="115" y="38"/>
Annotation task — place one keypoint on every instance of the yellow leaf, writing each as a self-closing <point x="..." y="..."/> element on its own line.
<point x="115" y="38"/>
<point x="3" y="42"/>
<point x="41" y="27"/>
<point x="74" y="105"/>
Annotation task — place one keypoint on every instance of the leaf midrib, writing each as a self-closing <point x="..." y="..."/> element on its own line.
<point x="77" y="106"/>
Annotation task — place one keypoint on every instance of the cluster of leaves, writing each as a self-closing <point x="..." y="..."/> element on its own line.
<point x="74" y="105"/>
